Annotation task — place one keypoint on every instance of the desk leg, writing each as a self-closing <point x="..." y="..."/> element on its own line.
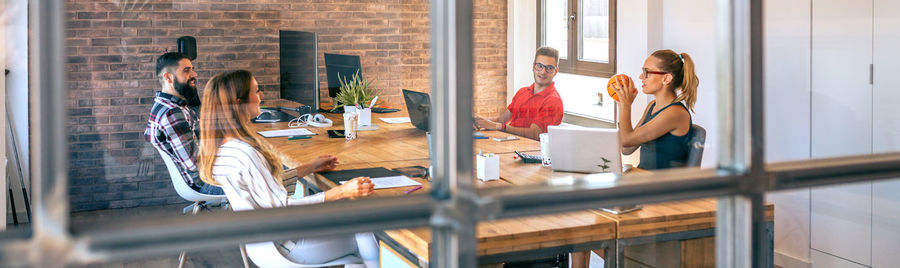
<point x="770" y="231"/>
<point x="612" y="254"/>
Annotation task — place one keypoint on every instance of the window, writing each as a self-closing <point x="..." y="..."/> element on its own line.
<point x="584" y="32"/>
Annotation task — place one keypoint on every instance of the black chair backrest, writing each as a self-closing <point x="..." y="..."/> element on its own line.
<point x="695" y="146"/>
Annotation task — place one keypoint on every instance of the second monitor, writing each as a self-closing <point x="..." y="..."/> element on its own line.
<point x="344" y="66"/>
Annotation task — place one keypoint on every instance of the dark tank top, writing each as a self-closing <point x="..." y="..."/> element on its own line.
<point x="668" y="150"/>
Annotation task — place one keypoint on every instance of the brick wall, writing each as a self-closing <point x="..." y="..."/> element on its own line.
<point x="112" y="46"/>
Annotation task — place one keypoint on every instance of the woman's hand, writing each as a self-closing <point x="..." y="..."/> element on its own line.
<point x="358" y="187"/>
<point x="625" y="91"/>
<point x="324" y="162"/>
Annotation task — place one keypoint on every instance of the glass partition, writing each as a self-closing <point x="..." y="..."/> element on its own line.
<point x="500" y="196"/>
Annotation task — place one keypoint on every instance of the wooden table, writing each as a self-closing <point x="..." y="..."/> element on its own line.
<point x="391" y="142"/>
<point x="401" y="145"/>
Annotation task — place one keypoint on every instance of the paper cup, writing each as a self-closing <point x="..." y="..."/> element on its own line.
<point x="545" y="149"/>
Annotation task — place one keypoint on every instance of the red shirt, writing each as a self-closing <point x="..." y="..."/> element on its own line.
<point x="543" y="109"/>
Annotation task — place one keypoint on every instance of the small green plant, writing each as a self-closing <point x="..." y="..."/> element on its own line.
<point x="605" y="165"/>
<point x="357" y="91"/>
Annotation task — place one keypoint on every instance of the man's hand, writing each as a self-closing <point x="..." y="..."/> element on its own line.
<point x="486" y="124"/>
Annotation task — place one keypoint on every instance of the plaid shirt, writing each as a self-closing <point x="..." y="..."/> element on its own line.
<point x="173" y="128"/>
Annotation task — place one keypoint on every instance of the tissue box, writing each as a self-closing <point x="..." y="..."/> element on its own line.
<point x="487" y="167"/>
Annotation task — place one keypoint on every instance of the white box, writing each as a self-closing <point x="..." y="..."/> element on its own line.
<point x="487" y="168"/>
<point x="365" y="117"/>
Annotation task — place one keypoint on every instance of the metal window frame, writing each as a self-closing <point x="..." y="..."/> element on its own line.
<point x="454" y="206"/>
<point x="572" y="63"/>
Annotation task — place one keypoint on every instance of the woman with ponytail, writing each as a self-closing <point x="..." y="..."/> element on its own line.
<point x="236" y="158"/>
<point x="665" y="125"/>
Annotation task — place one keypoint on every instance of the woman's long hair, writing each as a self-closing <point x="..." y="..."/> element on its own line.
<point x="681" y="66"/>
<point x="225" y="114"/>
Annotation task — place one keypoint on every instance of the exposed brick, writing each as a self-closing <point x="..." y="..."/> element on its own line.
<point x="106" y="42"/>
<point x="111" y="64"/>
<point x="92" y="15"/>
<point x="107" y="76"/>
<point x="89" y="137"/>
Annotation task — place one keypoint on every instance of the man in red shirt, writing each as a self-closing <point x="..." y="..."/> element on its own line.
<point x="534" y="107"/>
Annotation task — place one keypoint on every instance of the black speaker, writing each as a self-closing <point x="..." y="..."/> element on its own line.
<point x="187" y="45"/>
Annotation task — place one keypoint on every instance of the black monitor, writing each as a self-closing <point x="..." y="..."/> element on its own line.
<point x="345" y="66"/>
<point x="418" y="104"/>
<point x="299" y="67"/>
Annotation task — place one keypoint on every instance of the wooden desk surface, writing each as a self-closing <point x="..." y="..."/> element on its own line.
<point x="501" y="236"/>
<point x="391" y="142"/>
<point x="401" y="145"/>
<point x="520" y="234"/>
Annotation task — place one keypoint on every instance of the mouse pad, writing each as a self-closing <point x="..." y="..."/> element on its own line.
<point x="270" y="116"/>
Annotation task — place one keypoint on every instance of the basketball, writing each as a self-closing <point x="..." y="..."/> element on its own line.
<point x="613" y="81"/>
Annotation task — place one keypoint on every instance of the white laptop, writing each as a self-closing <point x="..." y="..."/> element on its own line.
<point x="586" y="150"/>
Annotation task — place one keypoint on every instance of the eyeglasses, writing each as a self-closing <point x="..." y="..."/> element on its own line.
<point x="649" y="72"/>
<point x="540" y="67"/>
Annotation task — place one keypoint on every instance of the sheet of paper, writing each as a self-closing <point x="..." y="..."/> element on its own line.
<point x="392" y="182"/>
<point x="286" y="132"/>
<point x="395" y="120"/>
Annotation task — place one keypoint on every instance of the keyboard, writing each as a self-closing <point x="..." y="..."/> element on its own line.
<point x="379" y="110"/>
<point x="529" y="158"/>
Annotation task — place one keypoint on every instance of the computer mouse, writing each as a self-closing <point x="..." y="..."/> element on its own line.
<point x="267" y="116"/>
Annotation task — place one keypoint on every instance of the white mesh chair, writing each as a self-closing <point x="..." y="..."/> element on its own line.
<point x="199" y="200"/>
<point x="266" y="254"/>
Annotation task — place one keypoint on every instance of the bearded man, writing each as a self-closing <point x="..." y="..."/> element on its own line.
<point x="173" y="127"/>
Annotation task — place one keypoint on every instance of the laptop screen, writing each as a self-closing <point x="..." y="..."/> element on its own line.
<point x="418" y="104"/>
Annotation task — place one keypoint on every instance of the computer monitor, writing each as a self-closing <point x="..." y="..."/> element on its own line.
<point x="418" y="104"/>
<point x="343" y="65"/>
<point x="299" y="67"/>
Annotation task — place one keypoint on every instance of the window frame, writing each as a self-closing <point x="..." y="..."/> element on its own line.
<point x="51" y="241"/>
<point x="572" y="63"/>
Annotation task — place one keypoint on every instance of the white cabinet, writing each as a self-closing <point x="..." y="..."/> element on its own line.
<point x="841" y="123"/>
<point x="822" y="260"/>
<point x="886" y="136"/>
<point x="885" y="224"/>
<point x="842" y="221"/>
<point x="886" y="88"/>
<point x="841" y="93"/>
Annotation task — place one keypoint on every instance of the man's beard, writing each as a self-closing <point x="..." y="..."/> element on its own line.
<point x="188" y="92"/>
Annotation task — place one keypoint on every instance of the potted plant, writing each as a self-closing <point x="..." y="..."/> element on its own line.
<point x="354" y="93"/>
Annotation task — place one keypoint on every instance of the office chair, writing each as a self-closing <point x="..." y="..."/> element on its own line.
<point x="695" y="146"/>
<point x="181" y="187"/>
<point x="266" y="254"/>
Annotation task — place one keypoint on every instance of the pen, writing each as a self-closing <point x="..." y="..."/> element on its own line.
<point x="413" y="189"/>
<point x="481" y="137"/>
<point x="372" y="104"/>
<point x="298" y="137"/>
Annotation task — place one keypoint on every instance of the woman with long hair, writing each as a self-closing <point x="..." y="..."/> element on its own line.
<point x="665" y="126"/>
<point x="233" y="156"/>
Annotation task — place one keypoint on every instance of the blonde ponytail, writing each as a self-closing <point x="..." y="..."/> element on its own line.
<point x="681" y="66"/>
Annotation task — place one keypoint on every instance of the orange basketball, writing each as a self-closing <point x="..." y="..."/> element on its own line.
<point x="613" y="81"/>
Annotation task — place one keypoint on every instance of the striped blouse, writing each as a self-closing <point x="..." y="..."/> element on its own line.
<point x="246" y="180"/>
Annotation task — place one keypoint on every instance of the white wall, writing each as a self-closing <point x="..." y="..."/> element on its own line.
<point x="689" y="26"/>
<point x="521" y="44"/>
<point x="16" y="15"/>
<point x="787" y="120"/>
<point x="3" y="204"/>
